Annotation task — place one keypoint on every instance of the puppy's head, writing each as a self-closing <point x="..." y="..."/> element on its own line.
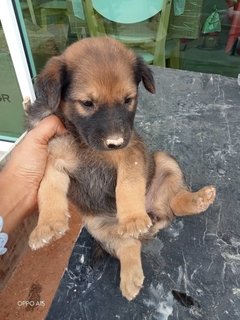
<point x="94" y="86"/>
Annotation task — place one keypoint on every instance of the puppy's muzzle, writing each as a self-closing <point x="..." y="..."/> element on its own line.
<point x="114" y="142"/>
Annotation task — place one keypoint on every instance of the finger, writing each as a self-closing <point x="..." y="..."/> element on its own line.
<point x="48" y="128"/>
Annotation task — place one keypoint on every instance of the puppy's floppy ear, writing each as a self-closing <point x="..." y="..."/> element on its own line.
<point x="50" y="87"/>
<point x="144" y="73"/>
<point x="49" y="84"/>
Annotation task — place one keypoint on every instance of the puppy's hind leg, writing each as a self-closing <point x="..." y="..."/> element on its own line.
<point x="190" y="203"/>
<point x="168" y="195"/>
<point x="127" y="250"/>
<point x="52" y="195"/>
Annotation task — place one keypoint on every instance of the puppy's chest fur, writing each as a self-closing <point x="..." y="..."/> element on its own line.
<point x="93" y="184"/>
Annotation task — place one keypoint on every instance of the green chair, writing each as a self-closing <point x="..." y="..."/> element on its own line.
<point x="139" y="24"/>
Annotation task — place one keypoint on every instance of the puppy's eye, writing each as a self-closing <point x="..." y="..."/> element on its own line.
<point x="128" y="100"/>
<point x="87" y="103"/>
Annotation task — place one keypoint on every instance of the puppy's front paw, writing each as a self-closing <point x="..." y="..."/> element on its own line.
<point x="134" y="226"/>
<point x="131" y="282"/>
<point x="43" y="234"/>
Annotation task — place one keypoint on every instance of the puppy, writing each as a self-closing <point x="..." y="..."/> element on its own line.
<point x="102" y="165"/>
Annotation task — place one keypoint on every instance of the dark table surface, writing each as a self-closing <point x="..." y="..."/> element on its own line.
<point x="192" y="268"/>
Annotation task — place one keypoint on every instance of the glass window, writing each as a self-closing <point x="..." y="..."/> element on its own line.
<point x="214" y="46"/>
<point x="52" y="26"/>
<point x="202" y="35"/>
<point x="11" y="111"/>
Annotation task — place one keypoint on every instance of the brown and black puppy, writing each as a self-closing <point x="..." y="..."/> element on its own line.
<point x="102" y="165"/>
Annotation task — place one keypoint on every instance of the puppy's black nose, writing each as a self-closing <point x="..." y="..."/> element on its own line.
<point x="114" y="142"/>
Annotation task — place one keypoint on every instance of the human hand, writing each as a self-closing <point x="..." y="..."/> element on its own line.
<point x="27" y="162"/>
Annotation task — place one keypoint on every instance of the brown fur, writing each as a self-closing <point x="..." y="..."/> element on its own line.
<point x="102" y="165"/>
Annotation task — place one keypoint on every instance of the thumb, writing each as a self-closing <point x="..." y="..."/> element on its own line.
<point x="48" y="128"/>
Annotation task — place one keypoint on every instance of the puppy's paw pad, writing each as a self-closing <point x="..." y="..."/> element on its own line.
<point x="204" y="198"/>
<point x="131" y="283"/>
<point x="43" y="234"/>
<point x="135" y="226"/>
